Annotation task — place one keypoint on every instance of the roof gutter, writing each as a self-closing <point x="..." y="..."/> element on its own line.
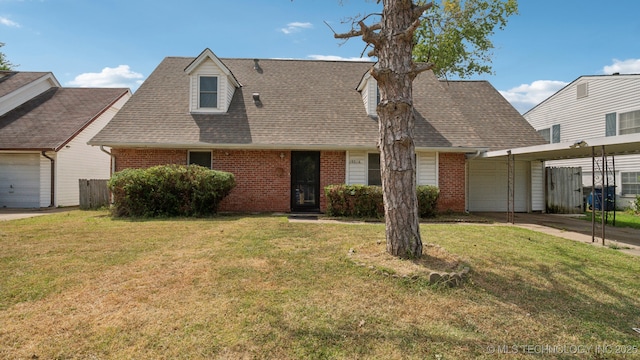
<point x="53" y="178"/>
<point x="294" y="147"/>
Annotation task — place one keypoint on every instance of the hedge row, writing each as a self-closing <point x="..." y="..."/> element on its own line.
<point x="366" y="201"/>
<point x="169" y="190"/>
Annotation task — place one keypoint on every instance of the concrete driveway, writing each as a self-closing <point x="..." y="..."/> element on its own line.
<point x="14" y="214"/>
<point x="570" y="227"/>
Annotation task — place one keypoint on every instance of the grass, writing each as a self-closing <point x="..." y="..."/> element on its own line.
<point x="81" y="285"/>
<point x="625" y="218"/>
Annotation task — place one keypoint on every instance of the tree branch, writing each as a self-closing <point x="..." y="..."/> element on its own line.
<point x="417" y="68"/>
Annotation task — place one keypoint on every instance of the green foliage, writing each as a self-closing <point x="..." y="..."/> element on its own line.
<point x="170" y="190"/>
<point x="635" y="205"/>
<point x="427" y="200"/>
<point x="4" y="63"/>
<point x="366" y="201"/>
<point x="354" y="201"/>
<point x="454" y="35"/>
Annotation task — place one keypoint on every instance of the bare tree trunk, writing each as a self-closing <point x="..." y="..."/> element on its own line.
<point x="395" y="73"/>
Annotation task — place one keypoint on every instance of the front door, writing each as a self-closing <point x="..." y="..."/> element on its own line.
<point x="305" y="181"/>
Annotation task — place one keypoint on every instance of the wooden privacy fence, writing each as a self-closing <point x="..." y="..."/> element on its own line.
<point x="94" y="194"/>
<point x="564" y="190"/>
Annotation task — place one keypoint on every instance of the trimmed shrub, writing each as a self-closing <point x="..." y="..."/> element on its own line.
<point x="169" y="190"/>
<point x="366" y="201"/>
<point x="354" y="201"/>
<point x="428" y="200"/>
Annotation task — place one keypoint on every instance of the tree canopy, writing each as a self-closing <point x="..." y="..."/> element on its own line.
<point x="4" y="63"/>
<point x="454" y="35"/>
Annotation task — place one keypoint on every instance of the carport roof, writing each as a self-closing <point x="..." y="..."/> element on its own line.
<point x="613" y="145"/>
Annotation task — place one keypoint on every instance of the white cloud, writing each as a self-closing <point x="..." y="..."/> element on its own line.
<point x="629" y="66"/>
<point x="337" y="58"/>
<point x="295" y="27"/>
<point x="526" y="96"/>
<point x="121" y="76"/>
<point x="6" y="22"/>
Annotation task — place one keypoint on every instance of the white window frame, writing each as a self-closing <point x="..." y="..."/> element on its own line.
<point x="621" y="129"/>
<point x="546" y="130"/>
<point x="636" y="182"/>
<point x="367" y="168"/>
<point x="217" y="91"/>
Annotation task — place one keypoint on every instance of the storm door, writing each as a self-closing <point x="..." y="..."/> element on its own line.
<point x="305" y="181"/>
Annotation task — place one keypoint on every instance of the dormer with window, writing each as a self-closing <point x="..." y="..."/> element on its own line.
<point x="368" y="88"/>
<point x="212" y="84"/>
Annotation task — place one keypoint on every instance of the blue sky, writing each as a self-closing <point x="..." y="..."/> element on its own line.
<point x="102" y="43"/>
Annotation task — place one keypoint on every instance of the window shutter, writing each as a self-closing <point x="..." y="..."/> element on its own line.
<point x="555" y="134"/>
<point x="611" y="124"/>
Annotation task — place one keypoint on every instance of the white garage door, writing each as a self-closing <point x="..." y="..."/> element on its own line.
<point x="488" y="186"/>
<point x="19" y="181"/>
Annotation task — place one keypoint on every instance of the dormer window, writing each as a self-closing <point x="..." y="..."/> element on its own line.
<point x="208" y="92"/>
<point x="212" y="84"/>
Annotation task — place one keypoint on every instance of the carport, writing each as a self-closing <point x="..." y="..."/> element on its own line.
<point x="598" y="149"/>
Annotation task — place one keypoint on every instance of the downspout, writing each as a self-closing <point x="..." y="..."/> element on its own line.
<point x="53" y="178"/>
<point x="113" y="159"/>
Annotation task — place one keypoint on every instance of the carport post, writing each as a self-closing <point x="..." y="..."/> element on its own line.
<point x="604" y="173"/>
<point x="593" y="194"/>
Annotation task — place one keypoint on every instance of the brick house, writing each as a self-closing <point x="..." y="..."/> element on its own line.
<point x="288" y="128"/>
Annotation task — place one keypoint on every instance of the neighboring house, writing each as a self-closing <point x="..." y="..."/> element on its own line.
<point x="288" y="128"/>
<point x="44" y="129"/>
<point x="590" y="109"/>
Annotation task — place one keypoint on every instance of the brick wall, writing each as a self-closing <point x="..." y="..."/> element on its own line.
<point x="263" y="178"/>
<point x="144" y="158"/>
<point x="333" y="167"/>
<point x="451" y="181"/>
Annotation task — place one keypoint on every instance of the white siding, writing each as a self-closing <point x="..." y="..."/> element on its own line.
<point x="225" y="89"/>
<point x="427" y="172"/>
<point x="370" y="96"/>
<point x="488" y="185"/>
<point x="78" y="160"/>
<point x="19" y="181"/>
<point x="584" y="118"/>
<point x="356" y="167"/>
<point x="538" y="202"/>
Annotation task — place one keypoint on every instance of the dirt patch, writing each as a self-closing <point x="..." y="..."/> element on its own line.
<point x="435" y="260"/>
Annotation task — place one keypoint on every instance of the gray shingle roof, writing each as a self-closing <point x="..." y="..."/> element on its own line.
<point x="13" y="80"/>
<point x="51" y="119"/>
<point x="307" y="104"/>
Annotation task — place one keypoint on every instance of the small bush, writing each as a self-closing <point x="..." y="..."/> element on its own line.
<point x="428" y="200"/>
<point x="169" y="190"/>
<point x="635" y="205"/>
<point x="354" y="201"/>
<point x="366" y="201"/>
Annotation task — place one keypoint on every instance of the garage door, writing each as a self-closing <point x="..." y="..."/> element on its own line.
<point x="19" y="181"/>
<point x="488" y="186"/>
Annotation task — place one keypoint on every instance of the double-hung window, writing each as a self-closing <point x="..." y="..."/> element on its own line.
<point x="630" y="183"/>
<point x="630" y="122"/>
<point x="208" y="92"/>
<point x="373" y="169"/>
<point x="546" y="134"/>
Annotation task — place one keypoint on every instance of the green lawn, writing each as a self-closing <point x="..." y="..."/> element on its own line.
<point x="81" y="285"/>
<point x="622" y="218"/>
